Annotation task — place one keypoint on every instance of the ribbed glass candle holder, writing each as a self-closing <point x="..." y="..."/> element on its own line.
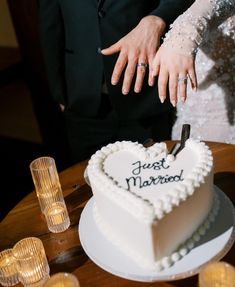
<point x="46" y="181"/>
<point x="57" y="217"/>
<point x="31" y="262"/>
<point x="8" y="271"/>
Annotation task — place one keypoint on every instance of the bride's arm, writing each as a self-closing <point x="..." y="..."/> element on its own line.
<point x="175" y="58"/>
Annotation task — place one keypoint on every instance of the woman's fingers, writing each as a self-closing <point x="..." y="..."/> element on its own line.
<point x="188" y="74"/>
<point x="162" y="84"/>
<point x="182" y="86"/>
<point x="173" y="87"/>
<point x="193" y="78"/>
<point x="177" y="86"/>
<point x="154" y="67"/>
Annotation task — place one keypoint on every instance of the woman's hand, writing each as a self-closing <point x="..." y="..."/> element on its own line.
<point x="175" y="69"/>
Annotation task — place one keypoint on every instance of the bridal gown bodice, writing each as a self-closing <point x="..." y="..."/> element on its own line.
<point x="211" y="110"/>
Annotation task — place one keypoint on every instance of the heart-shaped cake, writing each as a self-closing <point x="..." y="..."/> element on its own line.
<point x="150" y="203"/>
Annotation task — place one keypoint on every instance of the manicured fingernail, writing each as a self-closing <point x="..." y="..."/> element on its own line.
<point x="114" y="82"/>
<point x="152" y="75"/>
<point x="137" y="90"/>
<point x="151" y="80"/>
<point x="162" y="99"/>
<point x="173" y="102"/>
<point x="194" y="89"/>
<point x="125" y="92"/>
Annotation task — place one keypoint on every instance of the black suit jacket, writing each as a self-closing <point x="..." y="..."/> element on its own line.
<point x="73" y="33"/>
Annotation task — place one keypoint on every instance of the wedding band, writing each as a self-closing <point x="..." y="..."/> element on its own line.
<point x="142" y="65"/>
<point x="183" y="79"/>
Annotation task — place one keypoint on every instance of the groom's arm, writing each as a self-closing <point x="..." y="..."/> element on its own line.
<point x="169" y="10"/>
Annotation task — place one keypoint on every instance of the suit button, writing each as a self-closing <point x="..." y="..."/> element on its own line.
<point x="99" y="50"/>
<point x="101" y="14"/>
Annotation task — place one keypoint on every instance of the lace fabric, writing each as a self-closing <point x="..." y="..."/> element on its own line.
<point x="207" y="30"/>
<point x="189" y="29"/>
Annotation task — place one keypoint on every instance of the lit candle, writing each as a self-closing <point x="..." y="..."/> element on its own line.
<point x="56" y="214"/>
<point x="217" y="274"/>
<point x="35" y="272"/>
<point x="46" y="181"/>
<point x="8" y="271"/>
<point x="62" y="280"/>
<point x="47" y="197"/>
<point x="32" y="265"/>
<point x="57" y="217"/>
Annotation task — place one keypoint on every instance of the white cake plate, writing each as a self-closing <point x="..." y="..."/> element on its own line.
<point x="212" y="246"/>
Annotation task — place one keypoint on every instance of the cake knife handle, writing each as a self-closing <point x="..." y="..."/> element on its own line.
<point x="185" y="134"/>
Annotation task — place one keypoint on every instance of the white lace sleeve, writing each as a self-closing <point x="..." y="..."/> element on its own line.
<point x="189" y="29"/>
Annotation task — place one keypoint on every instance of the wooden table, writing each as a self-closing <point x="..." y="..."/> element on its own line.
<point x="64" y="250"/>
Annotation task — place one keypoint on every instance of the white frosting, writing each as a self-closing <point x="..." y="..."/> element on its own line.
<point x="147" y="191"/>
<point x="115" y="162"/>
<point x="166" y="261"/>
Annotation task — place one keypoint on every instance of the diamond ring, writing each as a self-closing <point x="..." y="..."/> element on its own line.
<point x="183" y="79"/>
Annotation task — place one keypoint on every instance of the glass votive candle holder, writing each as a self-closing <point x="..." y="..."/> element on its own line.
<point x="217" y="274"/>
<point x="57" y="217"/>
<point x="8" y="271"/>
<point x="62" y="280"/>
<point x="31" y="262"/>
<point x="46" y="181"/>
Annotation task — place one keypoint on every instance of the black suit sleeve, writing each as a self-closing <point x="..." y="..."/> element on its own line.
<point x="52" y="41"/>
<point x="169" y="10"/>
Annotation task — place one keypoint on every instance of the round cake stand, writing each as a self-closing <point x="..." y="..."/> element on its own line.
<point x="211" y="247"/>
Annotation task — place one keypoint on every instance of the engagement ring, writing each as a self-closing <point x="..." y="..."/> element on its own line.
<point x="183" y="79"/>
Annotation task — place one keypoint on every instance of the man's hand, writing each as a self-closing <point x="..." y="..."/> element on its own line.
<point x="136" y="50"/>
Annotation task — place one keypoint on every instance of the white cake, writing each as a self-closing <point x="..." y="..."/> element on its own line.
<point x="151" y="205"/>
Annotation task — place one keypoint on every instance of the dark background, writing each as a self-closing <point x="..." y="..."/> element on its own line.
<point x="31" y="124"/>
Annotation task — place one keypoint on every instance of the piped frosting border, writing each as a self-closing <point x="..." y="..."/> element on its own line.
<point x="134" y="203"/>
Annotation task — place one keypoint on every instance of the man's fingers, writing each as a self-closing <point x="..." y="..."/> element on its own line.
<point x="128" y="77"/>
<point x="119" y="67"/>
<point x="115" y="48"/>
<point x="140" y="74"/>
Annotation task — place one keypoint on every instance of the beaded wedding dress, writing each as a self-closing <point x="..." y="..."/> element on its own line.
<point x="207" y="30"/>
